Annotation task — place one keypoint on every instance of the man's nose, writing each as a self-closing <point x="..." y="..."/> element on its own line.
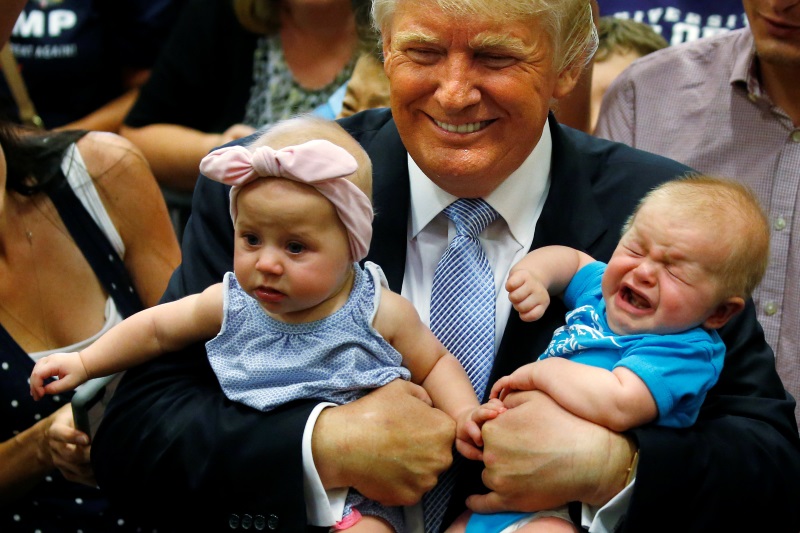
<point x="457" y="87"/>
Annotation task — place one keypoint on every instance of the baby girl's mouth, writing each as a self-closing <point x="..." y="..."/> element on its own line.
<point x="267" y="294"/>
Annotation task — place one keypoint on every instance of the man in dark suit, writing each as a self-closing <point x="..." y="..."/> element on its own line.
<point x="470" y="97"/>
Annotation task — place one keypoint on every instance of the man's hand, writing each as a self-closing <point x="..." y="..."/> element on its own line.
<point x="390" y="445"/>
<point x="540" y="456"/>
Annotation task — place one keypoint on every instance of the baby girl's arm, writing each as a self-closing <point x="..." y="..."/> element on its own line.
<point x="618" y="400"/>
<point x="431" y="365"/>
<point x="160" y="329"/>
<point x="543" y="272"/>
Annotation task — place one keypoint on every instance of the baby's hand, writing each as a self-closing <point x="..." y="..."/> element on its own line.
<point x="529" y="297"/>
<point x="69" y="369"/>
<point x="468" y="428"/>
<point x="520" y="379"/>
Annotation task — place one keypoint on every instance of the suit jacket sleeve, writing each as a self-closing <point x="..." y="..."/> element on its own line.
<point x="738" y="467"/>
<point x="171" y="444"/>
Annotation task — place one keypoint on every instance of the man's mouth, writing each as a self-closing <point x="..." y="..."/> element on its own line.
<point x="470" y="127"/>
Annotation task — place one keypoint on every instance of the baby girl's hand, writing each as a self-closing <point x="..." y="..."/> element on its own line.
<point x="468" y="428"/>
<point x="69" y="369"/>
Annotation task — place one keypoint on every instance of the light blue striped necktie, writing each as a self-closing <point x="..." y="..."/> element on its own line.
<point x="462" y="317"/>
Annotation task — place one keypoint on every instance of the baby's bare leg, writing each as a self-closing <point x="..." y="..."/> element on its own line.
<point x="547" y="524"/>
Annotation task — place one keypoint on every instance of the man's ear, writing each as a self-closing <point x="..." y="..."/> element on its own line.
<point x="724" y="312"/>
<point x="567" y="80"/>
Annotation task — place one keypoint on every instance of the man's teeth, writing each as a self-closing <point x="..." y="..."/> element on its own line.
<point x="462" y="128"/>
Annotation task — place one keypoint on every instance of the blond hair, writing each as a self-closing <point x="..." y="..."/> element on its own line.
<point x="568" y="23"/>
<point x="304" y="128"/>
<point x="626" y="35"/>
<point x="730" y="210"/>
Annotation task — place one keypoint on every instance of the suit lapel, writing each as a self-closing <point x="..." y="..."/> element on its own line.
<point x="391" y="197"/>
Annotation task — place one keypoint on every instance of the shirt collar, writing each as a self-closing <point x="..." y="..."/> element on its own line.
<point x="745" y="64"/>
<point x="514" y="199"/>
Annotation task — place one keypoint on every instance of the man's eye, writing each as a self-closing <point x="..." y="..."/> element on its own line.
<point x="295" y="248"/>
<point x="497" y="61"/>
<point x="422" y="55"/>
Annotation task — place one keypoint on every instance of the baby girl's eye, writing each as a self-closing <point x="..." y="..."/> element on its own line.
<point x="295" y="248"/>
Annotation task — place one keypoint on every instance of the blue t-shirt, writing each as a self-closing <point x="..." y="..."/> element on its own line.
<point x="680" y="21"/>
<point x="679" y="369"/>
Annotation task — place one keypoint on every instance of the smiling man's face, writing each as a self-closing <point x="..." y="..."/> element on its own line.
<point x="470" y="96"/>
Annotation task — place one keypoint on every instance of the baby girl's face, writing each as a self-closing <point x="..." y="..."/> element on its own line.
<point x="291" y="251"/>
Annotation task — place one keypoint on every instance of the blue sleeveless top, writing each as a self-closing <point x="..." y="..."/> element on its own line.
<point x="264" y="363"/>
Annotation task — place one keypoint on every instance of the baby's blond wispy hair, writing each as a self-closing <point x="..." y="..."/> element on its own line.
<point x="732" y="212"/>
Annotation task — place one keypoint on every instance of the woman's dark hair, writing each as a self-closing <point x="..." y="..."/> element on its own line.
<point x="33" y="158"/>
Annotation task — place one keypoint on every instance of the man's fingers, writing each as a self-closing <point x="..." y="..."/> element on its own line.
<point x="412" y="389"/>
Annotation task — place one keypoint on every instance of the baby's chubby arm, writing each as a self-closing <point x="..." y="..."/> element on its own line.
<point x="543" y="272"/>
<point x="431" y="366"/>
<point x="154" y="331"/>
<point x="618" y="400"/>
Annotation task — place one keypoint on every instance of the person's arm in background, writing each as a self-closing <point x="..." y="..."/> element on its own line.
<point x="574" y="110"/>
<point x="110" y="116"/>
<point x="170" y="435"/>
<point x="8" y="17"/>
<point x="136" y="206"/>
<point x="197" y="92"/>
<point x="52" y="442"/>
<point x="175" y="151"/>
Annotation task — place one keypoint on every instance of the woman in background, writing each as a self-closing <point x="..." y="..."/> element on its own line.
<point x="85" y="240"/>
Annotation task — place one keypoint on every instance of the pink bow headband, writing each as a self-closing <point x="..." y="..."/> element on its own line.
<point x="318" y="163"/>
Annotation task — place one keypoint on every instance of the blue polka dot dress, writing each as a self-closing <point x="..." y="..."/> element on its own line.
<point x="264" y="363"/>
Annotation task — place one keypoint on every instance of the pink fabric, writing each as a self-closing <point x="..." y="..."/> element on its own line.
<point x="348" y="521"/>
<point x="318" y="163"/>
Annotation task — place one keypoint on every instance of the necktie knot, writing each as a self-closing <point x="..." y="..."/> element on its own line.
<point x="470" y="215"/>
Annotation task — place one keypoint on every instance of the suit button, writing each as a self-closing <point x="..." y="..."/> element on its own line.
<point x="260" y="522"/>
<point x="233" y="521"/>
<point x="272" y="522"/>
<point x="247" y="521"/>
